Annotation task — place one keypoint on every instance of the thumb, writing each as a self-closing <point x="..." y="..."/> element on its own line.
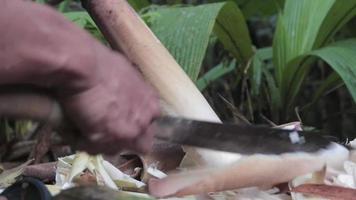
<point x="144" y="142"/>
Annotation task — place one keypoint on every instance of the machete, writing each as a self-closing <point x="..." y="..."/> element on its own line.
<point x="242" y="139"/>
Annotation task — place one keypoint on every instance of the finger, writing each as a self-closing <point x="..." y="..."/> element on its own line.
<point x="144" y="143"/>
<point x="145" y="111"/>
<point x="100" y="137"/>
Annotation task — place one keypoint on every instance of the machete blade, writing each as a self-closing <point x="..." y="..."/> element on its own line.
<point x="242" y="139"/>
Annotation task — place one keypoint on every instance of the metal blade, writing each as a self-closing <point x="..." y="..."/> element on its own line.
<point x="242" y="139"/>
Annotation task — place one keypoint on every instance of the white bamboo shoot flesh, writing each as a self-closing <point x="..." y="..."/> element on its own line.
<point x="256" y="170"/>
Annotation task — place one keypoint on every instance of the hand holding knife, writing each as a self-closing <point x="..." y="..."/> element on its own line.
<point x="242" y="139"/>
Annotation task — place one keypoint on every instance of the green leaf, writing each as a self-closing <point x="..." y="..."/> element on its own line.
<point x="302" y="27"/>
<point x="340" y="13"/>
<point x="138" y="4"/>
<point x="62" y="7"/>
<point x="275" y="97"/>
<point x="332" y="81"/>
<point x="214" y="74"/>
<point x="255" y="75"/>
<point x="338" y="16"/>
<point x="297" y="29"/>
<point x="185" y="31"/>
<point x="252" y="8"/>
<point x="341" y="57"/>
<point x="83" y="20"/>
<point x="265" y="53"/>
<point x="41" y="1"/>
<point x="232" y="32"/>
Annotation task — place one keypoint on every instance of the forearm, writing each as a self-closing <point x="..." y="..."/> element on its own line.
<point x="32" y="51"/>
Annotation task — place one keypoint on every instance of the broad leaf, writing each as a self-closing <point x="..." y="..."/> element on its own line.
<point x="252" y="8"/>
<point x="185" y="32"/>
<point x="214" y="74"/>
<point x="297" y="29"/>
<point x="339" y="15"/>
<point x="232" y="31"/>
<point x="332" y="82"/>
<point x="83" y="20"/>
<point x="341" y="57"/>
<point x="303" y="27"/>
<point x="62" y="7"/>
<point x="258" y="63"/>
<point x="138" y="4"/>
<point x="274" y="95"/>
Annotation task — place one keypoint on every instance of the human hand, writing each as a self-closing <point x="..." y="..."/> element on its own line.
<point x="115" y="112"/>
<point x="100" y="91"/>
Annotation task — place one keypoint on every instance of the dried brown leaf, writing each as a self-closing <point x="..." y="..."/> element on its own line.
<point x="326" y="191"/>
<point x="164" y="157"/>
<point x="43" y="142"/>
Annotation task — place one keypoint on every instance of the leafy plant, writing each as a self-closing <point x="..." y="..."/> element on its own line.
<point x="185" y="31"/>
<point x="304" y="33"/>
<point x="302" y="28"/>
<point x="215" y="73"/>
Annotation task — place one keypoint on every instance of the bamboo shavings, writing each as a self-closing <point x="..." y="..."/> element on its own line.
<point x="72" y="167"/>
